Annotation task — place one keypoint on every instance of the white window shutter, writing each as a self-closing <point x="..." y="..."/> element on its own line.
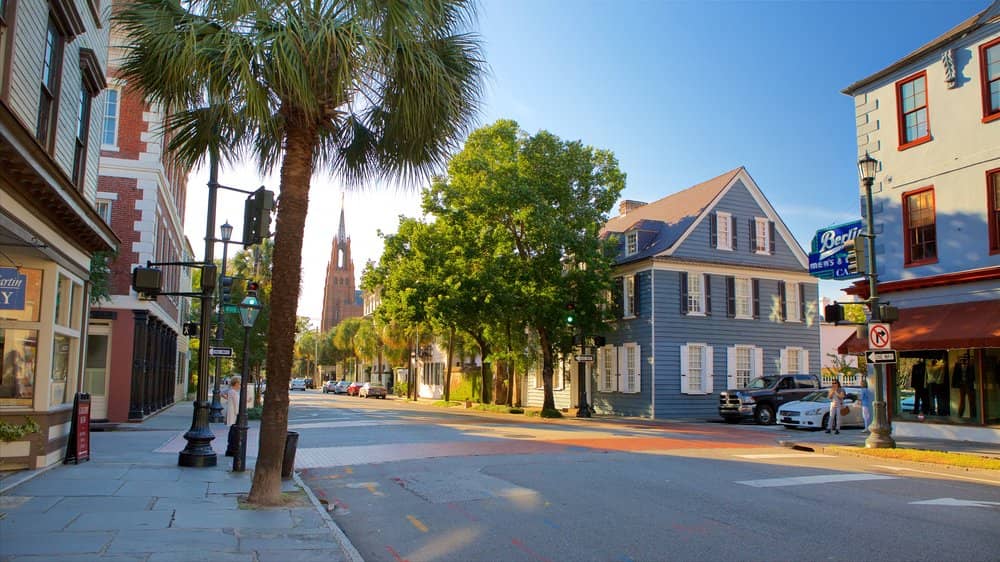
<point x="730" y="367"/>
<point x="804" y="368"/>
<point x="637" y="379"/>
<point x="758" y="362"/>
<point x="619" y="381"/>
<point x="707" y="384"/>
<point x="684" y="370"/>
<point x="783" y="358"/>
<point x="600" y="369"/>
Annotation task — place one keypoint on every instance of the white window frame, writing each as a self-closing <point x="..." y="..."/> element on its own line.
<point x="696" y="298"/>
<point x="103" y="208"/>
<point x="802" y="363"/>
<point x="607" y="373"/>
<point x="743" y="301"/>
<point x="763" y="238"/>
<point x="703" y="354"/>
<point x="631" y="368"/>
<point x="628" y="296"/>
<point x="631" y="243"/>
<point x="792" y="303"/>
<point x="116" y="118"/>
<point x="741" y="370"/>
<point x="723" y="236"/>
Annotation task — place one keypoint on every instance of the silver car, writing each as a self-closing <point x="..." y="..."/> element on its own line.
<point x="298" y="384"/>
<point x="813" y="411"/>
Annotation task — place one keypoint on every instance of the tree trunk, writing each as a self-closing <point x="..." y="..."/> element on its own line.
<point x="549" y="403"/>
<point x="484" y="369"/>
<point x="510" y="370"/>
<point x="447" y="371"/>
<point x="296" y="171"/>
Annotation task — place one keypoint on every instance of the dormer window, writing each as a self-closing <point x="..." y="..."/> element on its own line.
<point x="631" y="243"/>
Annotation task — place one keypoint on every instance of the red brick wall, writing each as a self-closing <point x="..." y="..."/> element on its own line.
<point x="123" y="218"/>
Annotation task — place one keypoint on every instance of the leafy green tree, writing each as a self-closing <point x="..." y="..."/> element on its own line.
<point x="366" y="89"/>
<point x="539" y="201"/>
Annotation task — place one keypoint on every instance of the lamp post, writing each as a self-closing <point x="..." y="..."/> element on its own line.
<point x="249" y="309"/>
<point x="880" y="436"/>
<point x="215" y="412"/>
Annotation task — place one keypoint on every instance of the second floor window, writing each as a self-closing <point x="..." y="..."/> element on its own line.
<point x="631" y="243"/>
<point x="744" y="296"/>
<point x="993" y="208"/>
<point x="793" y="302"/>
<point x="104" y="209"/>
<point x="109" y="134"/>
<point x="694" y="294"/>
<point x="628" y="294"/>
<point x="920" y="244"/>
<point x="989" y="68"/>
<point x="49" y="91"/>
<point x="914" y="125"/>
<point x="82" y="130"/>
<point x="761" y="236"/>
<point x="723" y="229"/>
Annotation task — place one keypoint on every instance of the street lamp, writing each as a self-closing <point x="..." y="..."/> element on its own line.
<point x="215" y="412"/>
<point x="249" y="309"/>
<point x="880" y="436"/>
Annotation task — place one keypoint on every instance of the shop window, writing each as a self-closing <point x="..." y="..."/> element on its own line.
<point x="20" y="294"/>
<point x="991" y="386"/>
<point x="61" y="357"/>
<point x="20" y="353"/>
<point x="64" y="301"/>
<point x="919" y="227"/>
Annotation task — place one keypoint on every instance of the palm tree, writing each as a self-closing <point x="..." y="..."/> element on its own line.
<point x="365" y="89"/>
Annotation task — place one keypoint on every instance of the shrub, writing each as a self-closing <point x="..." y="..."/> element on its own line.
<point x="255" y="412"/>
<point x="399" y="388"/>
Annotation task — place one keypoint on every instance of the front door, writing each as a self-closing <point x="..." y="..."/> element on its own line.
<point x="95" y="380"/>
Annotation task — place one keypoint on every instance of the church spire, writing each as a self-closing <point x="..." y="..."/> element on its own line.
<point x="342" y="230"/>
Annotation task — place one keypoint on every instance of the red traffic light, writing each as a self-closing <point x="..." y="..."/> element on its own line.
<point x="253" y="286"/>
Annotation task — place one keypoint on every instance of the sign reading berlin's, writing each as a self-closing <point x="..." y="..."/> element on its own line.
<point x="828" y="259"/>
<point x="12" y="288"/>
<point x="879" y="336"/>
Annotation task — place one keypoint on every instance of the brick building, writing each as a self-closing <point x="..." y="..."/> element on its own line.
<point x="340" y="299"/>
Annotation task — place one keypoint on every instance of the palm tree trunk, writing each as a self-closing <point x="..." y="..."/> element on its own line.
<point x="296" y="171"/>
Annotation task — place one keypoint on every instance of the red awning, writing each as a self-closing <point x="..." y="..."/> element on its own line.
<point x="946" y="326"/>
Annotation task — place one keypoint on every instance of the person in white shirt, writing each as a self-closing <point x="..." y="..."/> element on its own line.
<point x="233" y="399"/>
<point x="836" y="395"/>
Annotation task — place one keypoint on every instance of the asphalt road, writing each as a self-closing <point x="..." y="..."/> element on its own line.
<point x="411" y="483"/>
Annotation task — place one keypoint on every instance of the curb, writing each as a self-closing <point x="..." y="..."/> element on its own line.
<point x="17" y="480"/>
<point x="844" y="450"/>
<point x="346" y="546"/>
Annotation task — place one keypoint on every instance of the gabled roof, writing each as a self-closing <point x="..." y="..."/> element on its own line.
<point x="990" y="15"/>
<point x="671" y="216"/>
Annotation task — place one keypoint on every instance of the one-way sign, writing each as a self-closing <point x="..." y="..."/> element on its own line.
<point x="875" y="357"/>
<point x="220" y="352"/>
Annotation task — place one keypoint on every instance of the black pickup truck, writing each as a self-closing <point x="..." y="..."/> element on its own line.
<point x="763" y="396"/>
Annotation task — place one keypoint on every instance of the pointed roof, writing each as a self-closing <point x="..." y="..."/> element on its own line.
<point x="342" y="229"/>
<point x="987" y="16"/>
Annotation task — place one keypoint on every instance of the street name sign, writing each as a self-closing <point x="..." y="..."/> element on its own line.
<point x="220" y="352"/>
<point x="230" y="309"/>
<point x="875" y="356"/>
<point x="584" y="358"/>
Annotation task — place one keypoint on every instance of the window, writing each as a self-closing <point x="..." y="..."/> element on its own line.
<point x="109" y="134"/>
<point x="793" y="302"/>
<point x="993" y="208"/>
<point x="628" y="294"/>
<point x="696" y="368"/>
<point x="694" y="294"/>
<point x="920" y="245"/>
<point x="104" y="209"/>
<point x="911" y="100"/>
<point x="794" y="360"/>
<point x="49" y="91"/>
<point x="989" y="69"/>
<point x="631" y="373"/>
<point x="607" y="379"/>
<point x="761" y="232"/>
<point x="743" y="297"/>
<point x="745" y="362"/>
<point x="631" y="243"/>
<point x="4" y="62"/>
<point x="723" y="223"/>
<point x="82" y="130"/>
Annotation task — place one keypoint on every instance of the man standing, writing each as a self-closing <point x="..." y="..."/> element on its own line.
<point x="918" y="381"/>
<point x="963" y="377"/>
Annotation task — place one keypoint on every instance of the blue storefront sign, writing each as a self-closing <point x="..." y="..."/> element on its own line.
<point x="13" y="286"/>
<point x="828" y="260"/>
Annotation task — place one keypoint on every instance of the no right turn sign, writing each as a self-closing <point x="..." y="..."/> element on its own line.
<point x="879" y="336"/>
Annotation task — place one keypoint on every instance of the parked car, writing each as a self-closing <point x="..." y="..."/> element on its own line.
<point x="372" y="389"/>
<point x="813" y="411"/>
<point x="341" y="387"/>
<point x="352" y="389"/>
<point x="298" y="384"/>
<point x="309" y="382"/>
<point x="764" y="396"/>
<point x="329" y="386"/>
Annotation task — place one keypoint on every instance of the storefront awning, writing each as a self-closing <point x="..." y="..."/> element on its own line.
<point x="946" y="326"/>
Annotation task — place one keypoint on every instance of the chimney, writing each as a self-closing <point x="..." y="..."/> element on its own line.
<point x="629" y="205"/>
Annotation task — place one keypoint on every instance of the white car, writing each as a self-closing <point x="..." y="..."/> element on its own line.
<point x="298" y="384"/>
<point x="813" y="410"/>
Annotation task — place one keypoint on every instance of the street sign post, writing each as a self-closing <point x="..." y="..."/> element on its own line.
<point x="877" y="356"/>
<point x="220" y="352"/>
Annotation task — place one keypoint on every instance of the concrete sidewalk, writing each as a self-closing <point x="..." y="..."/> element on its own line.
<point x="131" y="502"/>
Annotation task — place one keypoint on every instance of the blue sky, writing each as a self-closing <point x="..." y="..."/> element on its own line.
<point x="679" y="91"/>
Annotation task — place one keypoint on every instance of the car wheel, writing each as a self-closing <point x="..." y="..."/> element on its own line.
<point x="826" y="422"/>
<point x="764" y="415"/>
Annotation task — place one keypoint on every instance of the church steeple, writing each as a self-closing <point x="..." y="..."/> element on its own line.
<point x="340" y="299"/>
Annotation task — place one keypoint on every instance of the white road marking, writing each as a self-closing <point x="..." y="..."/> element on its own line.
<point x="952" y="502"/>
<point x="901" y="469"/>
<point x="786" y="456"/>
<point x="818" y="479"/>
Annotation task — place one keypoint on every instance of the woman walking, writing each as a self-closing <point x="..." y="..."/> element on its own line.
<point x="836" y="395"/>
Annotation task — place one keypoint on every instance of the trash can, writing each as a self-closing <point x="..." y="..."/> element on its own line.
<point x="288" y="462"/>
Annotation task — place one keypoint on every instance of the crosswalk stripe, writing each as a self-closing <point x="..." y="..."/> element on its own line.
<point x="786" y="456"/>
<point x="818" y="479"/>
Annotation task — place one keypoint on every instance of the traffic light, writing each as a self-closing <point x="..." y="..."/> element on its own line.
<point x="257" y="216"/>
<point x="146" y="281"/>
<point x="833" y="313"/>
<point x="570" y="311"/>
<point x="225" y="289"/>
<point x="252" y="288"/>
<point x="857" y="255"/>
